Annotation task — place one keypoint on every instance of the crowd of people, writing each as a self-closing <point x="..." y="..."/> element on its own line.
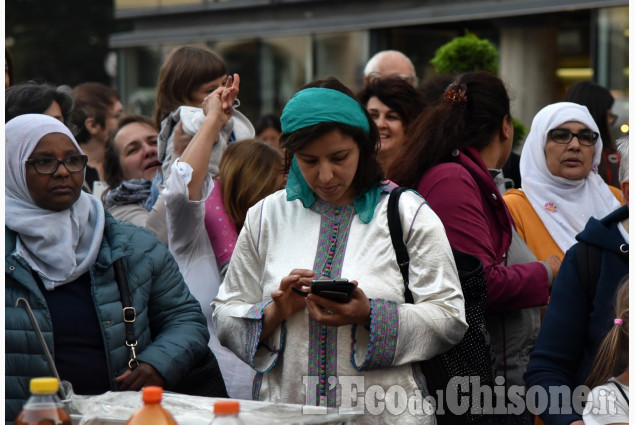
<point x="191" y="245"/>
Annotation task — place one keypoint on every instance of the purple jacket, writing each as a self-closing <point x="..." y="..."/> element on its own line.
<point x="464" y="196"/>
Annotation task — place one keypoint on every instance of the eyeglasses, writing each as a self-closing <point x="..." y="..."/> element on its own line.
<point x="74" y="164"/>
<point x="564" y="136"/>
<point x="611" y="118"/>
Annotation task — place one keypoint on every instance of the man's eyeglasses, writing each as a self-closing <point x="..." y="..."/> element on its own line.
<point x="74" y="164"/>
<point x="564" y="136"/>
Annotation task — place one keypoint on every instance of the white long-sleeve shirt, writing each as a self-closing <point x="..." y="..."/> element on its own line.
<point x="189" y="243"/>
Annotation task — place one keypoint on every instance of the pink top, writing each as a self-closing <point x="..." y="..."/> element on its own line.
<point x="220" y="229"/>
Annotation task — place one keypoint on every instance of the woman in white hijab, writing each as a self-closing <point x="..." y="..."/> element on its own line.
<point x="60" y="250"/>
<point x="561" y="187"/>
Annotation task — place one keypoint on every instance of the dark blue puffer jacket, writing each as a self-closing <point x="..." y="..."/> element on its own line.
<point x="574" y="327"/>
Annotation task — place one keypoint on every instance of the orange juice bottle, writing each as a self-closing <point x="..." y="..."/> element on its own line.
<point x="151" y="413"/>
<point x="44" y="406"/>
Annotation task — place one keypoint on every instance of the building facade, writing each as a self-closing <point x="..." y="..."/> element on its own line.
<point x="279" y="45"/>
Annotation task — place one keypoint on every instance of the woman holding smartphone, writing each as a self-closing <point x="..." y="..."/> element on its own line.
<point x="330" y="223"/>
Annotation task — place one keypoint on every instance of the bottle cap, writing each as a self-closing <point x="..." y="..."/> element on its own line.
<point x="226" y="407"/>
<point x="152" y="394"/>
<point x="44" y="385"/>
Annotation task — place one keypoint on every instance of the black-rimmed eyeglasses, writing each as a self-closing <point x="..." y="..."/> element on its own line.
<point x="564" y="136"/>
<point x="74" y="164"/>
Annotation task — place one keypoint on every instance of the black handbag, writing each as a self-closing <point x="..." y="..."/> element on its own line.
<point x="473" y="356"/>
<point x="204" y="379"/>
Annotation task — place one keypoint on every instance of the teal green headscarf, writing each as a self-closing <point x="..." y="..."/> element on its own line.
<point x="316" y="105"/>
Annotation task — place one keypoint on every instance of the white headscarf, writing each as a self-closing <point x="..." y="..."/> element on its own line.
<point x="59" y="246"/>
<point x="563" y="205"/>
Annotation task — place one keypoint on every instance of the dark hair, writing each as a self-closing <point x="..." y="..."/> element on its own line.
<point x="112" y="166"/>
<point x="398" y="95"/>
<point x="268" y="121"/>
<point x="9" y="60"/>
<point x="432" y="89"/>
<point x="91" y="100"/>
<point x="598" y="101"/>
<point x="184" y="70"/>
<point x="470" y="120"/>
<point x="369" y="172"/>
<point x="34" y="98"/>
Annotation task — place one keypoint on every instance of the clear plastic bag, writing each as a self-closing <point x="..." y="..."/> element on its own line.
<point x="114" y="408"/>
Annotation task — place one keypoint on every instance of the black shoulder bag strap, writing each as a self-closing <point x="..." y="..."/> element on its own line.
<point x="396" y="235"/>
<point x="129" y="312"/>
<point x="619" y="387"/>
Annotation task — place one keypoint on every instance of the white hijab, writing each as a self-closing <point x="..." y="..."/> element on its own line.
<point x="59" y="246"/>
<point x="563" y="205"/>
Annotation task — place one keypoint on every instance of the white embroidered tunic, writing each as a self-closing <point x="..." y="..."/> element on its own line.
<point x="308" y="363"/>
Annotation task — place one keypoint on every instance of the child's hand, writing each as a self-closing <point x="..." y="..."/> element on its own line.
<point x="220" y="102"/>
<point x="229" y="94"/>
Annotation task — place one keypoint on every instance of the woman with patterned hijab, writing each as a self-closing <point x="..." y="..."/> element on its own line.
<point x="331" y="222"/>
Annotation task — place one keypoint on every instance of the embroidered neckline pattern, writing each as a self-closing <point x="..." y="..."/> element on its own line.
<point x="334" y="229"/>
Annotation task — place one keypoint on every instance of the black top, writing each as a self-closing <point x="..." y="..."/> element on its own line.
<point x="511" y="169"/>
<point x="91" y="177"/>
<point x="80" y="356"/>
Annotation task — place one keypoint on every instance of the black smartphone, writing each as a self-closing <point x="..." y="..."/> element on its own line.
<point x="340" y="290"/>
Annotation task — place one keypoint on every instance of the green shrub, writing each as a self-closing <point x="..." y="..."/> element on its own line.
<point x="464" y="54"/>
<point x="470" y="53"/>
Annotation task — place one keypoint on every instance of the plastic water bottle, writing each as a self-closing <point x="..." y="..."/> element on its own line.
<point x="226" y="413"/>
<point x="151" y="413"/>
<point x="44" y="406"/>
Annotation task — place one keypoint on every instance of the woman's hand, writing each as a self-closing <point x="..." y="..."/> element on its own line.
<point x="220" y="102"/>
<point x="285" y="301"/>
<point x="553" y="262"/>
<point x="332" y="313"/>
<point x="144" y="375"/>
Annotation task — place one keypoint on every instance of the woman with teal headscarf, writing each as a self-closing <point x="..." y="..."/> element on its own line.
<point x="331" y="222"/>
